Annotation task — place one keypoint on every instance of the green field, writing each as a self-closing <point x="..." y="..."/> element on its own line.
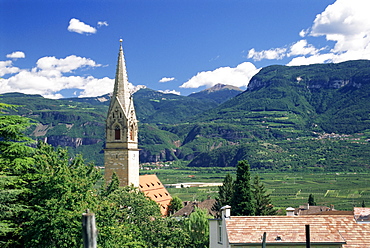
<point x="343" y="190"/>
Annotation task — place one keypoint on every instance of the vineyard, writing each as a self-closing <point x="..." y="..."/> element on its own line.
<point x="343" y="190"/>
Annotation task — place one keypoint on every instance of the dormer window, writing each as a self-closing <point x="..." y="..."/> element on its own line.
<point x="117" y="133"/>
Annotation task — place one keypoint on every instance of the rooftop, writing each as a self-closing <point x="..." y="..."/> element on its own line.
<point x="154" y="189"/>
<point x="324" y="229"/>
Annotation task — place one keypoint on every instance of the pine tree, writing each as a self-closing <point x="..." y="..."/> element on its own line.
<point x="243" y="202"/>
<point x="263" y="201"/>
<point x="225" y="193"/>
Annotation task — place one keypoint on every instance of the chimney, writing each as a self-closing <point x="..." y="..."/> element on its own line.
<point x="225" y="212"/>
<point x="289" y="211"/>
<point x="308" y="206"/>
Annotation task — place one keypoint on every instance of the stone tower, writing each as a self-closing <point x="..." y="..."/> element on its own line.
<point x="121" y="153"/>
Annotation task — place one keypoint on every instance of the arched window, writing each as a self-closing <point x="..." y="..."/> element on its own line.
<point x="117" y="133"/>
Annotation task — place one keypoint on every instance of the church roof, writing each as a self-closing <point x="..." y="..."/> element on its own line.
<point x="152" y="187"/>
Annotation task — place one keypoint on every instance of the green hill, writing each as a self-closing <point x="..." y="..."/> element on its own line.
<point x="313" y="117"/>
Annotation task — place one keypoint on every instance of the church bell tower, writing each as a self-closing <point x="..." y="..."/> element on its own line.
<point x="121" y="153"/>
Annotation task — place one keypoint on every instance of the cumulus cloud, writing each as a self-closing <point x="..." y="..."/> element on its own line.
<point x="166" y="79"/>
<point x="6" y="67"/>
<point x="100" y="23"/>
<point x="16" y="55"/>
<point x="77" y="26"/>
<point x="238" y="76"/>
<point x="170" y="92"/>
<point x="344" y="22"/>
<point x="347" y="23"/>
<point x="48" y="78"/>
<point x="302" y="48"/>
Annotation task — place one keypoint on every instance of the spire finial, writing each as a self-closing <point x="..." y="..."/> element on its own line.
<point x="120" y="40"/>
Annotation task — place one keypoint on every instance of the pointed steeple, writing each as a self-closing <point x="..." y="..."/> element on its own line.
<point x="121" y="90"/>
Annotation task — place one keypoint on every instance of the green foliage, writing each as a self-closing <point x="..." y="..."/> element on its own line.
<point x="263" y="201"/>
<point x="198" y="228"/>
<point x="243" y="203"/>
<point x="60" y="190"/>
<point x="225" y="193"/>
<point x="175" y="205"/>
<point x="311" y="200"/>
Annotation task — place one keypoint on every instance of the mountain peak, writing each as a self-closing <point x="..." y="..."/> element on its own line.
<point x="218" y="87"/>
<point x="218" y="93"/>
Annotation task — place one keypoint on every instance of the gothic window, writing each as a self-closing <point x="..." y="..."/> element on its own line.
<point x="117" y="133"/>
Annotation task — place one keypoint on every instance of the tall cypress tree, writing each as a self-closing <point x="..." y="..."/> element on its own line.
<point x="243" y="202"/>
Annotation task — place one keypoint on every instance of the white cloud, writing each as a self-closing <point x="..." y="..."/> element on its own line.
<point x="238" y="76"/>
<point x="348" y="24"/>
<point x="51" y="66"/>
<point x="170" y="92"/>
<point x="48" y="78"/>
<point x="77" y="26"/>
<point x="302" y="48"/>
<point x="274" y="53"/>
<point x="166" y="79"/>
<point x="16" y="55"/>
<point x="100" y="23"/>
<point x="6" y="67"/>
<point x="344" y="22"/>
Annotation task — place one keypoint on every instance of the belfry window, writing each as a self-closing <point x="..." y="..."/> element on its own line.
<point x="117" y="133"/>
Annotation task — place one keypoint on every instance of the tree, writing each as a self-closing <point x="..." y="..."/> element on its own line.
<point x="311" y="200"/>
<point x="113" y="185"/>
<point x="175" y="205"/>
<point x="225" y="193"/>
<point x="15" y="152"/>
<point x="129" y="207"/>
<point x="198" y="228"/>
<point x="60" y="189"/>
<point x="243" y="202"/>
<point x="263" y="201"/>
<point x="15" y="161"/>
<point x="363" y="204"/>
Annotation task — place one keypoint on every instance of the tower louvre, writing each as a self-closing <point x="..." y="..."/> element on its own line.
<point x="121" y="153"/>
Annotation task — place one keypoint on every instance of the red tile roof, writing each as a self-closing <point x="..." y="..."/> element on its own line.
<point x="154" y="189"/>
<point x="291" y="229"/>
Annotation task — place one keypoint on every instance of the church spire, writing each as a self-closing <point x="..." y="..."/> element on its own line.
<point x="121" y="90"/>
<point x="121" y="153"/>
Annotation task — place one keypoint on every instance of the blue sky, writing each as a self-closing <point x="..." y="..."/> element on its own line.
<point x="69" y="48"/>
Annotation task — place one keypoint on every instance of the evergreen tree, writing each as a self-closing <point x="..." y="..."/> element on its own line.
<point x="225" y="193"/>
<point x="175" y="205"/>
<point x="311" y="200"/>
<point x="243" y="203"/>
<point x="15" y="161"/>
<point x="263" y="201"/>
<point x="363" y="204"/>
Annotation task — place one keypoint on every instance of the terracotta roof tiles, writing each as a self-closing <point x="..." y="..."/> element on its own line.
<point x="154" y="189"/>
<point x="324" y="229"/>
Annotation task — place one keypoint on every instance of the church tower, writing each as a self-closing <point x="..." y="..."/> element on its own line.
<point x="121" y="153"/>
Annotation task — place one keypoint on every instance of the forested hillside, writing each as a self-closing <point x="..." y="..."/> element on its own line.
<point x="312" y="117"/>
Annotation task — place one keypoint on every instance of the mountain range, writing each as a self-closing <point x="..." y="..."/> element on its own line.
<point x="295" y="118"/>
